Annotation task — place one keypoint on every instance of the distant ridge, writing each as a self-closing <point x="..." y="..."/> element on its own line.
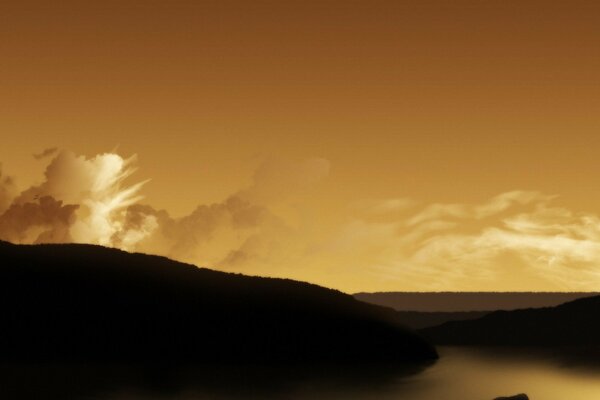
<point x="468" y="301"/>
<point x="421" y="319"/>
<point x="573" y="324"/>
<point x="90" y="303"/>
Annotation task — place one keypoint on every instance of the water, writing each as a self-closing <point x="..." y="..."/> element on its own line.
<point x="460" y="374"/>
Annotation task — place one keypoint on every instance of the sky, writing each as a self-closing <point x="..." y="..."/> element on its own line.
<point x="360" y="145"/>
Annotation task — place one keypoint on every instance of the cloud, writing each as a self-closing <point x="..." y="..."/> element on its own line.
<point x="206" y="236"/>
<point x="384" y="207"/>
<point x="241" y="233"/>
<point x="438" y="211"/>
<point x="90" y="200"/>
<point x="517" y="240"/>
<point x="492" y="207"/>
<point x="8" y="191"/>
<point x="45" y="221"/>
<point x="46" y="153"/>
<point x="275" y="179"/>
<point x="95" y="185"/>
<point x="505" y="201"/>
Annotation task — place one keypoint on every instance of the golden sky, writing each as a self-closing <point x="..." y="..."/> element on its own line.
<point x="382" y="145"/>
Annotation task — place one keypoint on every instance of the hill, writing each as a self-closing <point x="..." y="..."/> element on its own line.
<point x="420" y="319"/>
<point x="570" y="324"/>
<point x="468" y="301"/>
<point x="90" y="303"/>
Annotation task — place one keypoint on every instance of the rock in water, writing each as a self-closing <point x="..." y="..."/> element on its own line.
<point x="521" y="396"/>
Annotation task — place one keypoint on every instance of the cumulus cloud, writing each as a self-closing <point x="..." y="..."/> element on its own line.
<point x="95" y="185"/>
<point x="209" y="236"/>
<point x="241" y="233"/>
<point x="45" y="221"/>
<point x="87" y="200"/>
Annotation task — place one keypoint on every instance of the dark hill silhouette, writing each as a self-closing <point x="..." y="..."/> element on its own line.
<point x="571" y="324"/>
<point x="420" y="320"/>
<point x="90" y="303"/>
<point x="469" y="301"/>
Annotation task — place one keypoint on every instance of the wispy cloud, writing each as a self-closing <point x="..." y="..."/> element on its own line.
<point x="514" y="241"/>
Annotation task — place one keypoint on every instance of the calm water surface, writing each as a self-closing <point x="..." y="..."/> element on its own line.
<point x="460" y="374"/>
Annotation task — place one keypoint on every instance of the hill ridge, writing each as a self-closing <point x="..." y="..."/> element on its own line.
<point x="78" y="301"/>
<point x="570" y="324"/>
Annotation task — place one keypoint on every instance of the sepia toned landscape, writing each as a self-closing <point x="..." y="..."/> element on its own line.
<point x="299" y="200"/>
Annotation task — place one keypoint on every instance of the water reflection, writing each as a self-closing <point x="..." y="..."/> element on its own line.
<point x="460" y="374"/>
<point x="485" y="373"/>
